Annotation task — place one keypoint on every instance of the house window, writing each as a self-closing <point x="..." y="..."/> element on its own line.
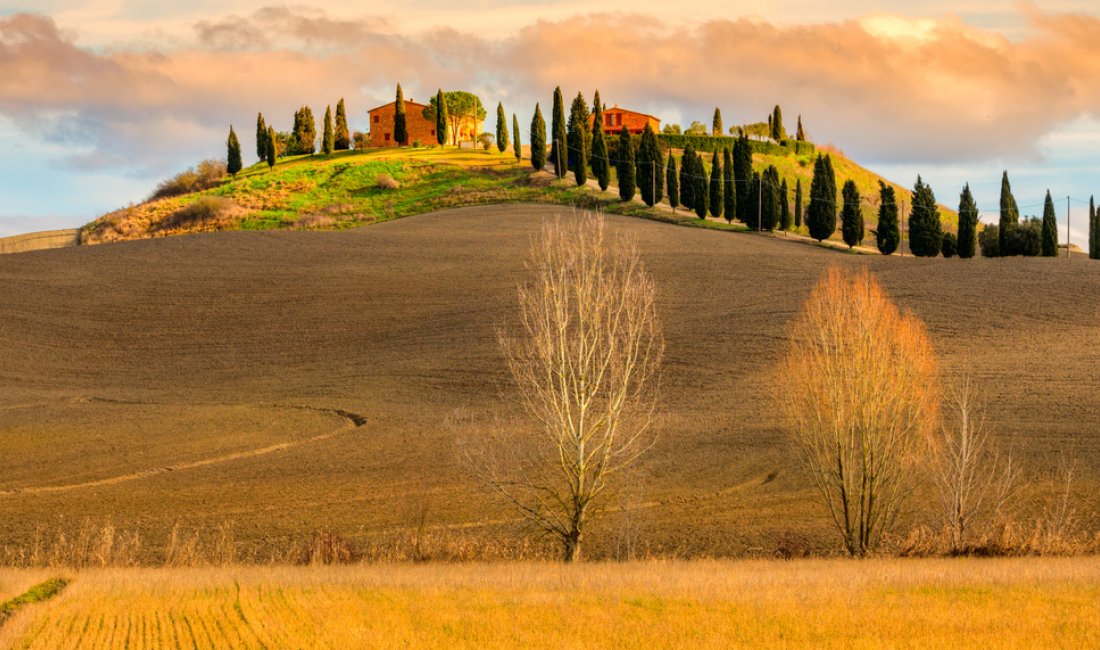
<point x="376" y="118"/>
<point x="387" y="137"/>
<point x="433" y="132"/>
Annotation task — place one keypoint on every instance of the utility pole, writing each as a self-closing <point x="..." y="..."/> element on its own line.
<point x="905" y="227"/>
<point x="760" y="204"/>
<point x="1067" y="229"/>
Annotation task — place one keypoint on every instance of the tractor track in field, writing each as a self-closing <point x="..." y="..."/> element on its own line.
<point x="352" y="421"/>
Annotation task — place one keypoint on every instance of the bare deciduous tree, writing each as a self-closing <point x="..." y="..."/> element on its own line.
<point x="974" y="482"/>
<point x="584" y="358"/>
<point x="860" y="387"/>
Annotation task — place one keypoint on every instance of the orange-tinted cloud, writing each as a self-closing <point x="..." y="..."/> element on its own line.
<point x="884" y="88"/>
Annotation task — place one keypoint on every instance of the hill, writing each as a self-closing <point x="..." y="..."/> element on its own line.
<point x="317" y="192"/>
<point x="289" y="382"/>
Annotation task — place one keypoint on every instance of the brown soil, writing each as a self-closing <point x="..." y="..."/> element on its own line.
<point x="155" y="381"/>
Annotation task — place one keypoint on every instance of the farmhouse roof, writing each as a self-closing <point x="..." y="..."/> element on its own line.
<point x="616" y="107"/>
<point x="407" y="102"/>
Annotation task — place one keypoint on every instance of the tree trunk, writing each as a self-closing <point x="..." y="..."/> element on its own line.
<point x="571" y="547"/>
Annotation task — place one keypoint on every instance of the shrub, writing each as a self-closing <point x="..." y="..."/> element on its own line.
<point x="386" y="182"/>
<point x="417" y="144"/>
<point x="860" y="389"/>
<point x="315" y="222"/>
<point x="206" y="212"/>
<point x="361" y="140"/>
<point x="950" y="246"/>
<point x="1024" y="238"/>
<point x="989" y="241"/>
<point x="486" y="141"/>
<point x="209" y="173"/>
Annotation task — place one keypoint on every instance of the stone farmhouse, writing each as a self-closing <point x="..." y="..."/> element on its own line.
<point x="614" y="118"/>
<point x="418" y="127"/>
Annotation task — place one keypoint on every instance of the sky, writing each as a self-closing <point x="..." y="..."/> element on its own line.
<point x="101" y="99"/>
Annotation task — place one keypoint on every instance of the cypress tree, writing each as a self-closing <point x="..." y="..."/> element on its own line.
<point x="777" y="124"/>
<point x="328" y="139"/>
<point x="1010" y="214"/>
<point x="601" y="164"/>
<point x="821" y="213"/>
<point x="673" y="182"/>
<point x="305" y="131"/>
<point x="851" y="216"/>
<point x="558" y="152"/>
<point x="785" y="219"/>
<point x="687" y="177"/>
<point x="968" y="224"/>
<point x="400" y="125"/>
<point x="888" y="233"/>
<point x="625" y="165"/>
<point x="925" y="229"/>
<point x="1093" y="231"/>
<point x="742" y="177"/>
<point x="716" y="124"/>
<point x="715" y="191"/>
<point x="270" y="146"/>
<point x="261" y="137"/>
<point x="650" y="172"/>
<point x="580" y="160"/>
<point x="729" y="190"/>
<point x="502" y="129"/>
<point x="517" y="148"/>
<point x="755" y="216"/>
<point x="800" y="134"/>
<point x="578" y="150"/>
<point x="233" y="155"/>
<point x="769" y="199"/>
<point x="798" y="204"/>
<point x="343" y="138"/>
<point x="1050" y="229"/>
<point x="700" y="196"/>
<point x="538" y="140"/>
<point x="443" y="118"/>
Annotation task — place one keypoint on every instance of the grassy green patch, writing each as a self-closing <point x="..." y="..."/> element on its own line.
<point x="36" y="594"/>
<point x="343" y="191"/>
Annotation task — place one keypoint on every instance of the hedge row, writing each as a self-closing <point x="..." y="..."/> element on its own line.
<point x="711" y="143"/>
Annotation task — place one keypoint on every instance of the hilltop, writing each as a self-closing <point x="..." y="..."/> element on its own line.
<point x="361" y="187"/>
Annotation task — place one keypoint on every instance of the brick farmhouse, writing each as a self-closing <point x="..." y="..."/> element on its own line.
<point x="614" y="119"/>
<point x="381" y="125"/>
<point x="418" y="127"/>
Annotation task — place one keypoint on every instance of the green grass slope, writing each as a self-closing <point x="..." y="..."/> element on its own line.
<point x="344" y="190"/>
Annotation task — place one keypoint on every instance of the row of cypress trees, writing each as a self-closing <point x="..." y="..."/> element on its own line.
<point x="335" y="136"/>
<point x="576" y="147"/>
<point x="1008" y="241"/>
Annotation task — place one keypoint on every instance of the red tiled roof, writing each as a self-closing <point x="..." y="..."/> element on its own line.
<point x="408" y="102"/>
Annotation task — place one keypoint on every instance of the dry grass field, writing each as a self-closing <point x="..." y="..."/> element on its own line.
<point x="1033" y="603"/>
<point x="220" y="378"/>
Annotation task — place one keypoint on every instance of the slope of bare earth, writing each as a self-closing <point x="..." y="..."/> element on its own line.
<point x="221" y="377"/>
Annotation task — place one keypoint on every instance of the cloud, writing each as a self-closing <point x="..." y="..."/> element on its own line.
<point x="885" y="88"/>
<point x="284" y="26"/>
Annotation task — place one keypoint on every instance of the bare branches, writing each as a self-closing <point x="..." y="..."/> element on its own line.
<point x="973" y="481"/>
<point x="584" y="358"/>
<point x="860" y="388"/>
